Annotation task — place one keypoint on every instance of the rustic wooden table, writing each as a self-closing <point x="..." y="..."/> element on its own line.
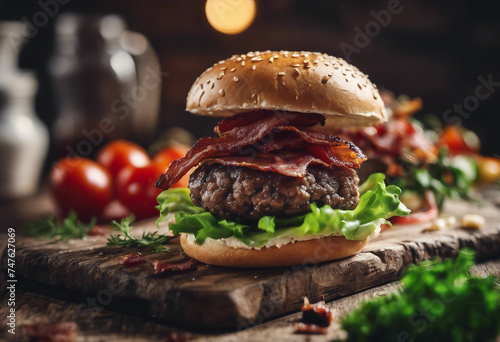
<point x="96" y="323"/>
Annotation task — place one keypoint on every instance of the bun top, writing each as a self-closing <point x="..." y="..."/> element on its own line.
<point x="306" y="82"/>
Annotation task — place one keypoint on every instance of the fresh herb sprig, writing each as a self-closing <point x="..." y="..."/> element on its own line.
<point x="70" y="228"/>
<point x="151" y="240"/>
<point x="447" y="177"/>
<point x="440" y="301"/>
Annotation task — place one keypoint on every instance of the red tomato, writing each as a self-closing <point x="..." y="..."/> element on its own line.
<point x="164" y="157"/>
<point x="82" y="185"/>
<point x="135" y="188"/>
<point x="169" y="154"/>
<point x="458" y="141"/>
<point x="121" y="153"/>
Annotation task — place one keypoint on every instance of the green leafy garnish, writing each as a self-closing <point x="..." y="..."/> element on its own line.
<point x="151" y="240"/>
<point x="376" y="205"/>
<point x="70" y="228"/>
<point x="440" y="301"/>
<point x="446" y="178"/>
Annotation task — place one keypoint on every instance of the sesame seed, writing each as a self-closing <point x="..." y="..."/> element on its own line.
<point x="295" y="65"/>
<point x="243" y="63"/>
<point x="281" y="73"/>
<point x="295" y="55"/>
<point x="257" y="59"/>
<point x="209" y="69"/>
<point x="374" y="96"/>
<point x="238" y="59"/>
<point x="254" y="67"/>
<point x="221" y="75"/>
<point x="324" y="79"/>
<point x="208" y="82"/>
<point x="250" y="54"/>
<point x="276" y="56"/>
<point x="221" y="92"/>
<point x="271" y="60"/>
<point x="346" y="80"/>
<point x="335" y="66"/>
<point x="359" y="86"/>
<point x="235" y="79"/>
<point x="296" y="73"/>
<point x="327" y="64"/>
<point x="233" y="69"/>
<point x="223" y="68"/>
<point x="201" y="85"/>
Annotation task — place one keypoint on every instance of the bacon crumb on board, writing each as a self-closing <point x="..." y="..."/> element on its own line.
<point x="316" y="318"/>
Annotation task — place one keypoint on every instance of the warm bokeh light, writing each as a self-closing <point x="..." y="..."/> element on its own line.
<point x="230" y="16"/>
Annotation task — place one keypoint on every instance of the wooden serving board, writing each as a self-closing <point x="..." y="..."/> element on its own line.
<point x="88" y="272"/>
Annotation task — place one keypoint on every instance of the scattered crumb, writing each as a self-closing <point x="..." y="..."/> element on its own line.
<point x="441" y="223"/>
<point x="472" y="221"/>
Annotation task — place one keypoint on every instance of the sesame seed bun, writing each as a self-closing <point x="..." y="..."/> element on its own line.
<point x="306" y="82"/>
<point x="305" y="252"/>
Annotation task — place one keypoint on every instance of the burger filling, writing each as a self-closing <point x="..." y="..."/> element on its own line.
<point x="233" y="192"/>
<point x="271" y="174"/>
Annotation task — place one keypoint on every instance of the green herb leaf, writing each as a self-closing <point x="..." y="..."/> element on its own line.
<point x="151" y="240"/>
<point x="440" y="301"/>
<point x="70" y="228"/>
<point x="446" y="178"/>
<point x="376" y="205"/>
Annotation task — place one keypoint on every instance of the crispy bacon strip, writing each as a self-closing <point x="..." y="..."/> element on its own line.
<point x="185" y="264"/>
<point x="288" y="164"/>
<point x="132" y="260"/>
<point x="287" y="118"/>
<point x="246" y="141"/>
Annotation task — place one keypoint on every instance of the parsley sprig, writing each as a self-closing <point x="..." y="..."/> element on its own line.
<point x="151" y="240"/>
<point x="447" y="177"/>
<point x="70" y="228"/>
<point x="440" y="301"/>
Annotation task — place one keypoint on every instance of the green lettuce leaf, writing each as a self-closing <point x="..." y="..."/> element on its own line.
<point x="377" y="203"/>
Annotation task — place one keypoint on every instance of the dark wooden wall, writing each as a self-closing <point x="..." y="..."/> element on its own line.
<point x="433" y="49"/>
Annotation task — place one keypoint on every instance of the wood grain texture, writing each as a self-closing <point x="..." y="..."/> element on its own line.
<point x="89" y="273"/>
<point x="96" y="324"/>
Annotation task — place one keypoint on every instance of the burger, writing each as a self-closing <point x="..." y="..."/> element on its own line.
<point x="275" y="187"/>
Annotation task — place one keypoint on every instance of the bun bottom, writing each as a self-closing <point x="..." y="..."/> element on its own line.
<point x="298" y="253"/>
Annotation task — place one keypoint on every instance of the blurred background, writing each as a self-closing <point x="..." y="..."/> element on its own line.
<point x="137" y="65"/>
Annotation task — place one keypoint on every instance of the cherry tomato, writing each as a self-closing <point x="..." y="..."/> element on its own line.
<point x="82" y="185"/>
<point x="164" y="157"/>
<point x="459" y="141"/>
<point x="169" y="154"/>
<point x="120" y="153"/>
<point x="135" y="188"/>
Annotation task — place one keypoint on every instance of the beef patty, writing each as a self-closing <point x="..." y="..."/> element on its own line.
<point x="234" y="191"/>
